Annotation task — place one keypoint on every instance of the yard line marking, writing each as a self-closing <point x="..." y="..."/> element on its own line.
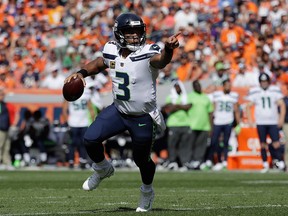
<point x="266" y="182"/>
<point x="168" y="209"/>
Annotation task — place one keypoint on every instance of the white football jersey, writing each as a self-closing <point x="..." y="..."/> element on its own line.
<point x="223" y="107"/>
<point x="133" y="78"/>
<point x="79" y="112"/>
<point x="266" y="108"/>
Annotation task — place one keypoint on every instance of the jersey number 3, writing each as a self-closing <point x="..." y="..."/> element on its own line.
<point x="123" y="86"/>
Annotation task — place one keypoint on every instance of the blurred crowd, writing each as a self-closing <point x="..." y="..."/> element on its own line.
<point x="42" y="42"/>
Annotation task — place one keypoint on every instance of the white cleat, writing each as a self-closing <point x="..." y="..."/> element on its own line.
<point x="217" y="167"/>
<point x="265" y="167"/>
<point x="94" y="180"/>
<point x="146" y="201"/>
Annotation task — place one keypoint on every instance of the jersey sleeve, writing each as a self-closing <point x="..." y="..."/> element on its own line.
<point x="154" y="48"/>
<point x="109" y="52"/>
<point x="252" y="94"/>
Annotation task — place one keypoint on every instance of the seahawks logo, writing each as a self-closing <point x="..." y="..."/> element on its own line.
<point x="155" y="47"/>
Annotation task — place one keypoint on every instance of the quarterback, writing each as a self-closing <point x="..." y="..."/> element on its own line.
<point x="133" y="67"/>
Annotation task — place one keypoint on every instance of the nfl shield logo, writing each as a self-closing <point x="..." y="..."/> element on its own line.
<point x="122" y="64"/>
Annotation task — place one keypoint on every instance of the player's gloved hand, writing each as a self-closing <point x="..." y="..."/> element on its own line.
<point x="172" y="42"/>
<point x="237" y="129"/>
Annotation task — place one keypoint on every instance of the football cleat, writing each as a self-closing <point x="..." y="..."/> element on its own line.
<point x="206" y="165"/>
<point x="146" y="200"/>
<point x="217" y="167"/>
<point x="94" y="180"/>
<point x="265" y="167"/>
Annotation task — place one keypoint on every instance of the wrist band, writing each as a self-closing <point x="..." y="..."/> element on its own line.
<point x="83" y="72"/>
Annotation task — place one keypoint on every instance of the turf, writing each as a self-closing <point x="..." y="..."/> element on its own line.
<point x="177" y="193"/>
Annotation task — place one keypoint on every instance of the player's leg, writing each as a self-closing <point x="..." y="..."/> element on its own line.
<point x="81" y="148"/>
<point x="185" y="148"/>
<point x="274" y="134"/>
<point x="262" y="133"/>
<point x="200" y="147"/>
<point x="226" y="136"/>
<point x="143" y="130"/>
<point x="172" y="142"/>
<point x="72" y="146"/>
<point x="213" y="147"/>
<point x="107" y="124"/>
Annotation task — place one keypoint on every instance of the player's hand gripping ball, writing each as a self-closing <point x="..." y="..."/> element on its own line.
<point x="73" y="89"/>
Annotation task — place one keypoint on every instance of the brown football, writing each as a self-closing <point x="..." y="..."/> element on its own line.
<point x="73" y="90"/>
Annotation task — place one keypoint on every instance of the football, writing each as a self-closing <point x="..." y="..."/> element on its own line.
<point x="73" y="90"/>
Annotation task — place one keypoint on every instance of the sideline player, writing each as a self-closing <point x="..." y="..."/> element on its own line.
<point x="77" y="114"/>
<point x="226" y="111"/>
<point x="267" y="98"/>
<point x="133" y="67"/>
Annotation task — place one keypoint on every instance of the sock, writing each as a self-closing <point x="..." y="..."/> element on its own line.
<point x="265" y="164"/>
<point x="43" y="157"/>
<point x="146" y="188"/>
<point x="103" y="164"/>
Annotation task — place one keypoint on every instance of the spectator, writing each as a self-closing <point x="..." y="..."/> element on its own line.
<point x="54" y="80"/>
<point x="30" y="78"/>
<point x="220" y="75"/>
<point x="184" y="70"/>
<point x="167" y="75"/>
<point x="243" y="78"/>
<point x="6" y="79"/>
<point x="185" y="16"/>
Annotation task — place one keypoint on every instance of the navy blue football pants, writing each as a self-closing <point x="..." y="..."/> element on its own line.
<point x="217" y="131"/>
<point x="111" y="122"/>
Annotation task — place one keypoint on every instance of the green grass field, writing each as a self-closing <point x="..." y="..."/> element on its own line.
<point x="177" y="193"/>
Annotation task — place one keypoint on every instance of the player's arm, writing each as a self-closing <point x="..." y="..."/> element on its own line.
<point x="282" y="113"/>
<point x="161" y="60"/>
<point x="237" y="113"/>
<point x="249" y="114"/>
<point x="65" y="111"/>
<point x="93" y="67"/>
<point x="176" y="107"/>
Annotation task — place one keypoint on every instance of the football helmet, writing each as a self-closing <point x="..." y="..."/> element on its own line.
<point x="129" y="22"/>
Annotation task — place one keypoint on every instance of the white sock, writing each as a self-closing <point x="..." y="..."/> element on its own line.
<point x="146" y="188"/>
<point x="43" y="156"/>
<point x="26" y="157"/>
<point x="265" y="164"/>
<point x="103" y="164"/>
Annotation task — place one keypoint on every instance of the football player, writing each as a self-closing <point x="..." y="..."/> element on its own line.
<point x="226" y="111"/>
<point x="133" y="67"/>
<point x="76" y="114"/>
<point x="267" y="99"/>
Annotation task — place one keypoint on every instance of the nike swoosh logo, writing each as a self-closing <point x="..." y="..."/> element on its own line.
<point x="146" y="207"/>
<point x="141" y="125"/>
